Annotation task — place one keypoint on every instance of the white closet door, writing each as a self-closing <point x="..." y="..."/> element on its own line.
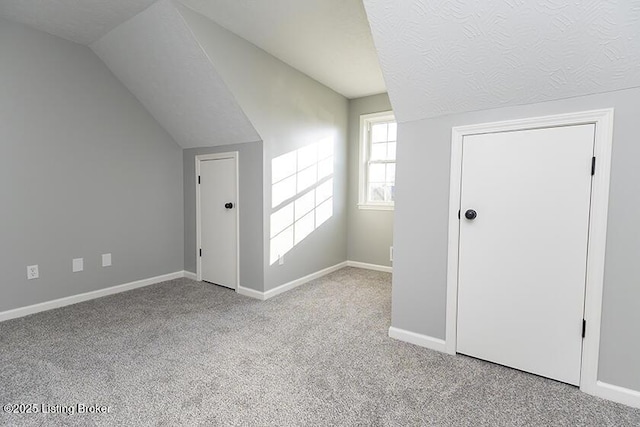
<point x="522" y="259"/>
<point x="218" y="221"/>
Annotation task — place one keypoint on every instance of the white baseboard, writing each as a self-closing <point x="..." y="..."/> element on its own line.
<point x="74" y="299"/>
<point x="301" y="281"/>
<point x="368" y="266"/>
<point x="290" y="285"/>
<point x="247" y="292"/>
<point x="263" y="296"/>
<point x="616" y="393"/>
<point x="190" y="275"/>
<point x="417" y="339"/>
<point x="603" y="390"/>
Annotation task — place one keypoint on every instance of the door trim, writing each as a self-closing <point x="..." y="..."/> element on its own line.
<point x="603" y="120"/>
<point x="199" y="159"/>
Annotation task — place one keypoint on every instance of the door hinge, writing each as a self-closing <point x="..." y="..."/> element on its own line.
<point x="200" y="252"/>
<point x="458" y="213"/>
<point x="198" y="179"/>
<point x="593" y="166"/>
<point x="584" y="328"/>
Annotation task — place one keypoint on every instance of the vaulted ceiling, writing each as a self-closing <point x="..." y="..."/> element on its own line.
<point x="148" y="45"/>
<point x="158" y="59"/>
<point x="329" y="40"/>
<point x="442" y="57"/>
<point x="83" y="21"/>
<point x="438" y="57"/>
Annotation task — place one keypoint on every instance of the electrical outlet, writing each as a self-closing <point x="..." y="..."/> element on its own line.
<point x="77" y="265"/>
<point x="391" y="253"/>
<point x="106" y="260"/>
<point x="281" y="260"/>
<point x="32" y="272"/>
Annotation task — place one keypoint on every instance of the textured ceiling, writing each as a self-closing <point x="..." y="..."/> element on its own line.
<point x="81" y="21"/>
<point x="158" y="59"/>
<point x="442" y="57"/>
<point x="329" y="40"/>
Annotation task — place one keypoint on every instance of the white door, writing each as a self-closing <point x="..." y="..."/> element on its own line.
<point x="218" y="199"/>
<point x="522" y="259"/>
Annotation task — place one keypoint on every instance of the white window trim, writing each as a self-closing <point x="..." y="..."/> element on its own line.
<point x="365" y="127"/>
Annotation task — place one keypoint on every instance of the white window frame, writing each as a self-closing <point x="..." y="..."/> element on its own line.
<point x="366" y="121"/>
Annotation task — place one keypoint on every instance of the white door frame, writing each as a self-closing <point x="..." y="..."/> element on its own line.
<point x="199" y="159"/>
<point x="603" y="120"/>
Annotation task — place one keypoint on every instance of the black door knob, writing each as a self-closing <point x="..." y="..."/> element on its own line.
<point x="228" y="205"/>
<point x="470" y="214"/>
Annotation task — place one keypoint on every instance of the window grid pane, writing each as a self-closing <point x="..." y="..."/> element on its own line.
<point x="391" y="173"/>
<point x="380" y="172"/>
<point x="377" y="172"/>
<point x="379" y="151"/>
<point x="391" y="151"/>
<point x="379" y="132"/>
<point x="393" y="131"/>
<point x="380" y="192"/>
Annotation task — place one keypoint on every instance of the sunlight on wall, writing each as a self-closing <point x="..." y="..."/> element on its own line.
<point x="301" y="193"/>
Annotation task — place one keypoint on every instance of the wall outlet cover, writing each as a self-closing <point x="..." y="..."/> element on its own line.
<point x="106" y="260"/>
<point x="32" y="272"/>
<point x="77" y="265"/>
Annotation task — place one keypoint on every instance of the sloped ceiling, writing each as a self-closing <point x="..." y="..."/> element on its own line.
<point x="442" y="57"/>
<point x="328" y="40"/>
<point x="158" y="59"/>
<point x="83" y="21"/>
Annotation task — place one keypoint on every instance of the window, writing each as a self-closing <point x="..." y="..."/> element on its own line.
<point x="377" y="161"/>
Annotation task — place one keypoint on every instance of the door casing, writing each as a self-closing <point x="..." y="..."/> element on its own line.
<point x="216" y="156"/>
<point x="603" y="120"/>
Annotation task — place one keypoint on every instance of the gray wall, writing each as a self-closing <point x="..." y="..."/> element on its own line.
<point x="419" y="281"/>
<point x="250" y="208"/>
<point x="289" y="110"/>
<point x="85" y="170"/>
<point x="370" y="231"/>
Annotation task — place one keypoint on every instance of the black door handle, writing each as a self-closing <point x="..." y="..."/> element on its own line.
<point x="470" y="214"/>
<point x="228" y="205"/>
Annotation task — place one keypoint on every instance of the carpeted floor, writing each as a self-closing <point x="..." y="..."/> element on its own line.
<point x="187" y="353"/>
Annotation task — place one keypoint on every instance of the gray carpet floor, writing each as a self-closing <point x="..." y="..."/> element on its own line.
<point x="188" y="353"/>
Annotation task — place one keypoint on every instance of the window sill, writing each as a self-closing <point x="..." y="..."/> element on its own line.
<point x="376" y="207"/>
